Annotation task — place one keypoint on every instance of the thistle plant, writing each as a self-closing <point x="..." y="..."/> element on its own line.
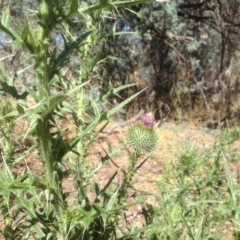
<point x="141" y="140"/>
<point x="142" y="136"/>
<point x="40" y="199"/>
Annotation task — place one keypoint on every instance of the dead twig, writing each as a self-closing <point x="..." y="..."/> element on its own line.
<point x="204" y="96"/>
<point x="180" y="56"/>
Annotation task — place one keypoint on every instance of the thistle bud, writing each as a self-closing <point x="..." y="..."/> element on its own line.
<point x="142" y="137"/>
<point x="147" y="120"/>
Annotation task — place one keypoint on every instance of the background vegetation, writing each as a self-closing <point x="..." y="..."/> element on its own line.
<point x="75" y="61"/>
<point x="186" y="52"/>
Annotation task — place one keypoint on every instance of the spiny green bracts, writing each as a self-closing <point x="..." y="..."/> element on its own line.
<point x="142" y="136"/>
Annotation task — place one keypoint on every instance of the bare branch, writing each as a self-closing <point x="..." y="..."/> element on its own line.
<point x="180" y="56"/>
<point x="190" y="16"/>
<point x="175" y="37"/>
<point x="193" y="5"/>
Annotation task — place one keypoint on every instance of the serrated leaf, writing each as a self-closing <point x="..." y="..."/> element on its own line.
<point x="20" y="185"/>
<point x="27" y="206"/>
<point x="122" y="104"/>
<point x="4" y="25"/>
<point x="98" y="118"/>
<point x="54" y="101"/>
<point x="28" y="39"/>
<point x="5" y="17"/>
<point x="68" y="48"/>
<point x="12" y="91"/>
<point x="36" y="109"/>
<point x="73" y="8"/>
<point x="20" y="109"/>
<point x="114" y="91"/>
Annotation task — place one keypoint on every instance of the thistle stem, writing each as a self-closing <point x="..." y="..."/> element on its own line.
<point x="128" y="177"/>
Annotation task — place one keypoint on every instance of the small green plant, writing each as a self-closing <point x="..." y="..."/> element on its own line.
<point x="141" y="140"/>
<point x="198" y="194"/>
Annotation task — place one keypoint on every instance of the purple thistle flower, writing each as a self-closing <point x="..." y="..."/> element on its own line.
<point x="147" y="120"/>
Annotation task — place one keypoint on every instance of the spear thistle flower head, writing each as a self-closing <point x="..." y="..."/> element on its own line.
<point x="147" y="120"/>
<point x="142" y="137"/>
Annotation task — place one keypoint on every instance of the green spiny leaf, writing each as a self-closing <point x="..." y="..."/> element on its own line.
<point x="73" y="8"/>
<point x="12" y="91"/>
<point x="4" y="25"/>
<point x="28" y="39"/>
<point x="122" y="104"/>
<point x="54" y="101"/>
<point x="68" y="48"/>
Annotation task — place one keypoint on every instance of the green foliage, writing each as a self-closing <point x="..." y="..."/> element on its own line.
<point x="195" y="193"/>
<point x="174" y="44"/>
<point x="198" y="194"/>
<point x="39" y="198"/>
